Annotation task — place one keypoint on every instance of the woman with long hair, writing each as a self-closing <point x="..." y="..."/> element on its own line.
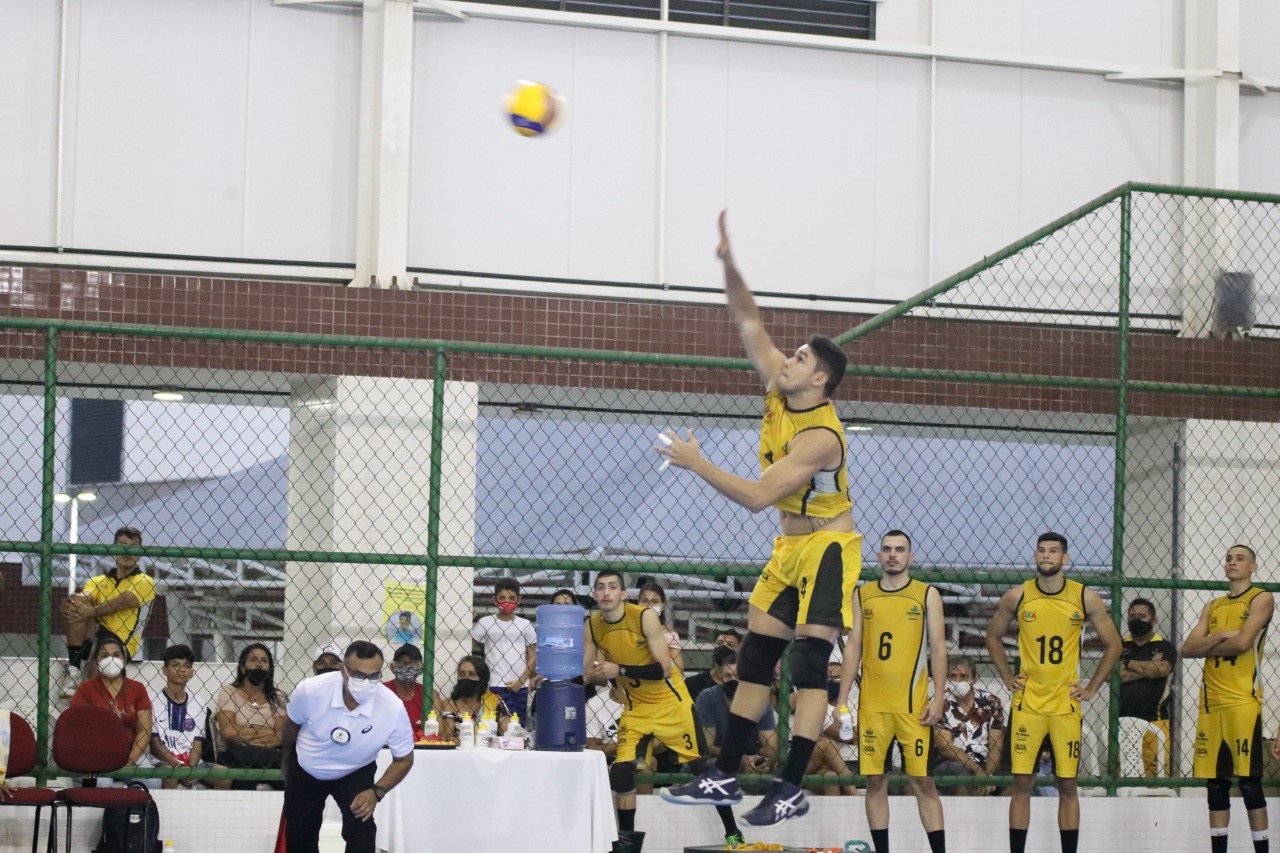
<point x="655" y="598"/>
<point x="470" y="695"/>
<point x="251" y="712"/>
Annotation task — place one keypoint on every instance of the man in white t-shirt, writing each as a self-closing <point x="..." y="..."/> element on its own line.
<point x="603" y="712"/>
<point x="177" y="717"/>
<point x="510" y="647"/>
<point x="337" y="723"/>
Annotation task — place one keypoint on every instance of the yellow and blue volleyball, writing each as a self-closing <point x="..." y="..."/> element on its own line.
<point x="533" y="108"/>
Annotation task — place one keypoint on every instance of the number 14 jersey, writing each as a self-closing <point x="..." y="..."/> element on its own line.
<point x="1049" y="628"/>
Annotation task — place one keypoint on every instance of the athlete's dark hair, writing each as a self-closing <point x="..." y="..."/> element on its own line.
<point x="1053" y="537"/>
<point x="1143" y="602"/>
<point x="897" y="532"/>
<point x="1252" y="554"/>
<point x="610" y="573"/>
<point x="507" y="585"/>
<point x="832" y="359"/>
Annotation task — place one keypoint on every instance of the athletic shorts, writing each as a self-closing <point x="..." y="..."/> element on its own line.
<point x="877" y="730"/>
<point x="1229" y="742"/>
<point x="809" y="579"/>
<point x="674" y="724"/>
<point x="1027" y="731"/>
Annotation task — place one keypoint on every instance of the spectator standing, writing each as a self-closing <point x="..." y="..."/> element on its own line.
<point x="123" y="696"/>
<point x="328" y="658"/>
<point x="115" y="604"/>
<point x="510" y="647"/>
<point x="178" y="718"/>
<point x="406" y="666"/>
<point x="604" y="709"/>
<point x="716" y="675"/>
<point x="336" y="724"/>
<point x="1146" y="662"/>
<point x="251" y="712"/>
<point x="969" y="740"/>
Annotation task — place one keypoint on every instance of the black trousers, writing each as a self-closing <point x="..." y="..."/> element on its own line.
<point x="304" y="797"/>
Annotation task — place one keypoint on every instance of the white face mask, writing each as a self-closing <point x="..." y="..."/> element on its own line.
<point x="656" y="608"/>
<point x="111" y="667"/>
<point x="959" y="689"/>
<point x="362" y="691"/>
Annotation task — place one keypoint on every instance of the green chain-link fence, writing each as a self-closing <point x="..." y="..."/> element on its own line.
<point x="310" y="490"/>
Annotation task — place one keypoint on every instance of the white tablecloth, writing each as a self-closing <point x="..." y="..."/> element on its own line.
<point x="495" y="801"/>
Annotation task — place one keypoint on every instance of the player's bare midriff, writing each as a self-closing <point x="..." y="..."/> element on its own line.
<point x="793" y="524"/>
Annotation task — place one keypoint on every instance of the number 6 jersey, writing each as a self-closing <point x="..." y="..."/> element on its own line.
<point x="894" y="676"/>
<point x="1049" y="628"/>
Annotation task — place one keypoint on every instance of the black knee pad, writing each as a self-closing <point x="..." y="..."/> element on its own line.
<point x="1251" y="791"/>
<point x="622" y="777"/>
<point x="1220" y="795"/>
<point x="809" y="657"/>
<point x="757" y="656"/>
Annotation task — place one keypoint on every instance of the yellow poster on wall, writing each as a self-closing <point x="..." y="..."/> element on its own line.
<point x="404" y="607"/>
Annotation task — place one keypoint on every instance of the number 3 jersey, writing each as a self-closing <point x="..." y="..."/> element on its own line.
<point x="1232" y="680"/>
<point x="1049" y="628"/>
<point x="623" y="642"/>
<point x="894" y="675"/>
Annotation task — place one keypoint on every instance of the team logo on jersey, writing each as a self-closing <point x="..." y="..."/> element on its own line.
<point x="1077" y="618"/>
<point x="914" y="613"/>
<point x="866" y="613"/>
<point x="1028" y="616"/>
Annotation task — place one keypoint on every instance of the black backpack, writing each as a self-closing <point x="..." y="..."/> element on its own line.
<point x="131" y="830"/>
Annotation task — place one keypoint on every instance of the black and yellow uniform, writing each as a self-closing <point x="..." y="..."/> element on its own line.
<point x="809" y="579"/>
<point x="1144" y="698"/>
<point x="1229" y="728"/>
<point x="1049" y="629"/>
<point x="894" y="687"/>
<point x="127" y="624"/>
<point x="652" y="709"/>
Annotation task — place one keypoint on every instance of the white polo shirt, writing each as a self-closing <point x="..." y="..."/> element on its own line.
<point x="334" y="741"/>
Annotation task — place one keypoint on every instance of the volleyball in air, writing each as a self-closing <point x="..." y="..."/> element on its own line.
<point x="533" y="108"/>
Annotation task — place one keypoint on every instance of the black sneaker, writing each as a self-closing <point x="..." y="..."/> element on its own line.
<point x="783" y="801"/>
<point x="713" y="788"/>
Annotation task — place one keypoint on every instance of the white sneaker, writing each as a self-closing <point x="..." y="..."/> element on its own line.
<point x="68" y="680"/>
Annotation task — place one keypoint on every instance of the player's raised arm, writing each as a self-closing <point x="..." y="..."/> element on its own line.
<point x="1000" y="622"/>
<point x="767" y="358"/>
<point x="1200" y="643"/>
<point x="1100" y="619"/>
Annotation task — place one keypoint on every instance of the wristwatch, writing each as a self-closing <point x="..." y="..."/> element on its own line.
<point x="379" y="792"/>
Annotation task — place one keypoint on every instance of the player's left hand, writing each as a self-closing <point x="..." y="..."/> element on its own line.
<point x="364" y="804"/>
<point x="682" y="453"/>
<point x="603" y="671"/>
<point x="932" y="712"/>
<point x="1078" y="693"/>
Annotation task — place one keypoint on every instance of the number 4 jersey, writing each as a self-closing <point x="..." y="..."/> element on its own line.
<point x="1049" y="628"/>
<point x="894" y="676"/>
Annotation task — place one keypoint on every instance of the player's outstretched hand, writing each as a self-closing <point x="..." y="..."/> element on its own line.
<point x="722" y="248"/>
<point x="682" y="453"/>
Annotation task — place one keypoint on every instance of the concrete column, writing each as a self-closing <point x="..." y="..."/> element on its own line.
<point x="1211" y="155"/>
<point x="386" y="112"/>
<point x="359" y="463"/>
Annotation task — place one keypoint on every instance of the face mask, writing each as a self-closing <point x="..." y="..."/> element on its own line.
<point x="959" y="689"/>
<point x="833" y="692"/>
<point x="256" y="677"/>
<point x="730" y="688"/>
<point x="1139" y="627"/>
<point x="111" y="667"/>
<point x="467" y="689"/>
<point x="406" y="673"/>
<point x="506" y="608"/>
<point x="361" y="689"/>
<point x="656" y="608"/>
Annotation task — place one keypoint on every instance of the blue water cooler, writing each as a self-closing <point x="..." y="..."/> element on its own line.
<point x="561" y="725"/>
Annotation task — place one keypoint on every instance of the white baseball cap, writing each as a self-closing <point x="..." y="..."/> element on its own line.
<point x="330" y="648"/>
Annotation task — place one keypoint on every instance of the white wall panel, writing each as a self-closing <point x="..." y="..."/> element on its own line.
<point x="160" y="125"/>
<point x="1259" y="29"/>
<point x="1259" y="142"/>
<point x="902" y="180"/>
<point x="303" y="104"/>
<point x="28" y="95"/>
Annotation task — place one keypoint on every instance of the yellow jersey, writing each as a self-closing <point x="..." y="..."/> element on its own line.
<point x="126" y="624"/>
<point x="1049" y="629"/>
<point x="827" y="494"/>
<point x="1232" y="679"/>
<point x="623" y="642"/>
<point x="894" y="673"/>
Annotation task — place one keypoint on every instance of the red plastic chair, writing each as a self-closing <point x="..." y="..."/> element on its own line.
<point x="22" y="758"/>
<point x="88" y="740"/>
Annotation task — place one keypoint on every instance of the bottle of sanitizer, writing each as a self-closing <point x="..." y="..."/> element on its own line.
<point x="466" y="733"/>
<point x="846" y="723"/>
<point x="432" y="727"/>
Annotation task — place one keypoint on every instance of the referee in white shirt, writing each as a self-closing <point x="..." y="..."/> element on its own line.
<point x="337" y="723"/>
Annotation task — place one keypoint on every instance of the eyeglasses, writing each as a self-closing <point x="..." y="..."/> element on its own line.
<point x="356" y="675"/>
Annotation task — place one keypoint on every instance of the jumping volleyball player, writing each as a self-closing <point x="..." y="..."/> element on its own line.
<point x="806" y="589"/>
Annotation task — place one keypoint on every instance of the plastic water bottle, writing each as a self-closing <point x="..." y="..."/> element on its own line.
<point x="846" y="723"/>
<point x="466" y="733"/>
<point x="560" y="641"/>
<point x="432" y="726"/>
<point x="169" y="846"/>
<point x="488" y="732"/>
<point x="514" y="729"/>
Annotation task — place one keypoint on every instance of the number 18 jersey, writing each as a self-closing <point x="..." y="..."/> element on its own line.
<point x="894" y="677"/>
<point x="1049" y="628"/>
